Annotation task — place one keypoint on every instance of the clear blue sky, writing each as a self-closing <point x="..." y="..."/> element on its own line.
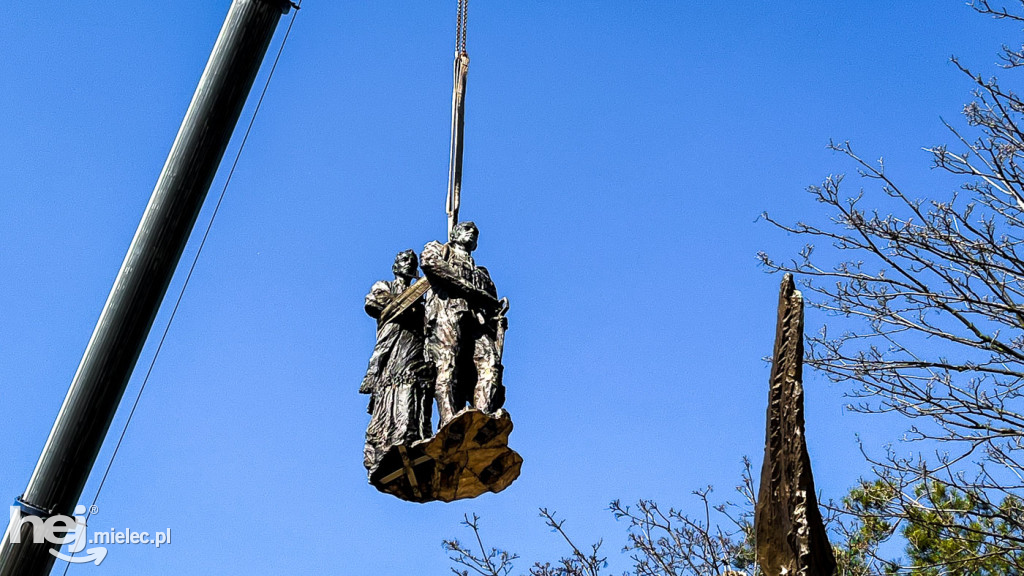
<point x="618" y="154"/>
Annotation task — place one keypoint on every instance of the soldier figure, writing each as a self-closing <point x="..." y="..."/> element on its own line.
<point x="464" y="326"/>
<point x="398" y="379"/>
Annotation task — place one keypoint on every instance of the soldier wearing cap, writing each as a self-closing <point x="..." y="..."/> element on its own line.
<point x="462" y="325"/>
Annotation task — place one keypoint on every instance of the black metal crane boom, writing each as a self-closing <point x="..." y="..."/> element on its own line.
<point x="110" y="357"/>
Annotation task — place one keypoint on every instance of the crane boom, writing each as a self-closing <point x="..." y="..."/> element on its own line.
<point x="110" y="357"/>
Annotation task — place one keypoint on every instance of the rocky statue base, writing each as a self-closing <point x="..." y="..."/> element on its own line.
<point x="466" y="458"/>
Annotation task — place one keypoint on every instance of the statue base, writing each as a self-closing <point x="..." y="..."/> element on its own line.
<point x="467" y="457"/>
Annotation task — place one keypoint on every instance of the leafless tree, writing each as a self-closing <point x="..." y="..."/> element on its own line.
<point x="720" y="541"/>
<point x="479" y="559"/>
<point x="717" y="542"/>
<point x="928" y="296"/>
<point x="659" y="543"/>
<point x="495" y="562"/>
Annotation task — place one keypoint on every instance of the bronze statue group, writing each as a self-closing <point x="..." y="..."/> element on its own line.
<point x="439" y="339"/>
